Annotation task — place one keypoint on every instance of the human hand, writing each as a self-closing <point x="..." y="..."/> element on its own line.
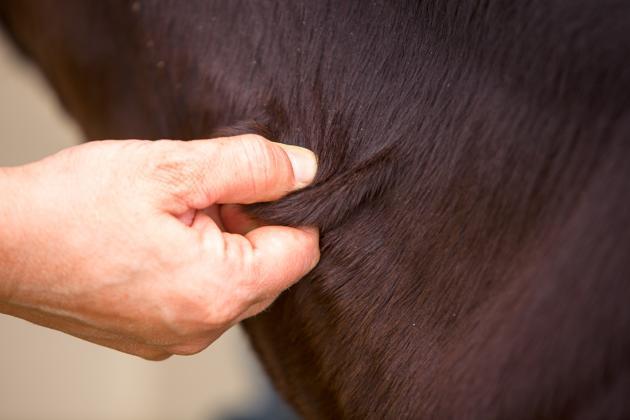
<point x="134" y="244"/>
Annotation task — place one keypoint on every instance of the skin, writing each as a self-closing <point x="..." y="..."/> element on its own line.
<point x="140" y="246"/>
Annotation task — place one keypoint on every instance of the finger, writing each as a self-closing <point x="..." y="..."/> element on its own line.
<point x="280" y="256"/>
<point x="247" y="169"/>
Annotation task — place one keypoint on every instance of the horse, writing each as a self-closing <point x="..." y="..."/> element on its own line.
<point x="473" y="190"/>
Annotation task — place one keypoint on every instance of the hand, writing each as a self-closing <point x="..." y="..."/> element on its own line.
<point x="134" y="244"/>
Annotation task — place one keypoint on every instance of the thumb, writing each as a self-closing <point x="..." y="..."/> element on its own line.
<point x="247" y="169"/>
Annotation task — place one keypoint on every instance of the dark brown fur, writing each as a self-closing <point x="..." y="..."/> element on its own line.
<point x="472" y="192"/>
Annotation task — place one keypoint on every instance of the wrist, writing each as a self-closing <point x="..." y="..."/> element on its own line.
<point x="12" y="239"/>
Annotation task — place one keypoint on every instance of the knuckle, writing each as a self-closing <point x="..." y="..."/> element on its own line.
<point x="269" y="166"/>
<point x="254" y="141"/>
<point x="171" y="165"/>
<point x="247" y="278"/>
<point x="239" y="252"/>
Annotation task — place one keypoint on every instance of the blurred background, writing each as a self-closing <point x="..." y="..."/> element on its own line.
<point x="45" y="374"/>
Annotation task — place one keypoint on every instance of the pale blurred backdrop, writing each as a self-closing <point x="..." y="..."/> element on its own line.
<point x="49" y="375"/>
